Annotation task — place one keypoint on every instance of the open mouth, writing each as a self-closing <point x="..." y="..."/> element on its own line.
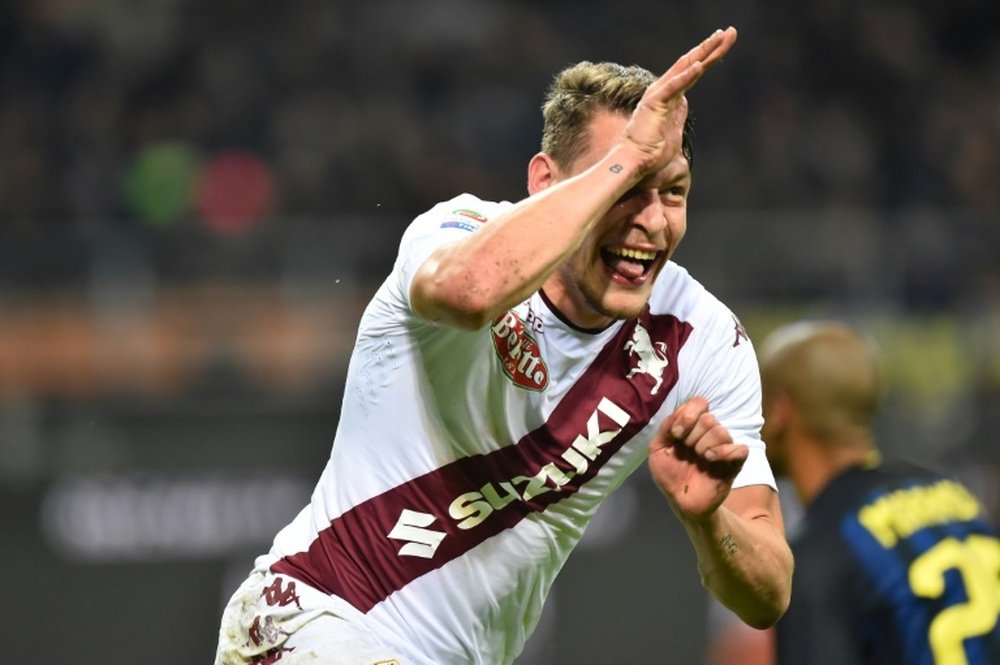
<point x="633" y="265"/>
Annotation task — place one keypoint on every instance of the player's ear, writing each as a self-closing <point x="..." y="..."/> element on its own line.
<point x="543" y="172"/>
<point x="778" y="411"/>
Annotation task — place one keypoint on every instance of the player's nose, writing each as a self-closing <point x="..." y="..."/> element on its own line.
<point x="650" y="213"/>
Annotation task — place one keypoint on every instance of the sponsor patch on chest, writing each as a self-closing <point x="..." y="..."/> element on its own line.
<point x="518" y="352"/>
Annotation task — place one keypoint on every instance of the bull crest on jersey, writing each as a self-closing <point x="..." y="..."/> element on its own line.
<point x="650" y="357"/>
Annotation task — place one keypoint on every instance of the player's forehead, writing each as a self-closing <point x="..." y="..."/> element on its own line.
<point x="678" y="171"/>
<point x="605" y="129"/>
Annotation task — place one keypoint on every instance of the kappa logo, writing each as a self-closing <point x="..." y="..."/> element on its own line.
<point x="518" y="351"/>
<point x="651" y="357"/>
<point x="276" y="595"/>
<point x="741" y="332"/>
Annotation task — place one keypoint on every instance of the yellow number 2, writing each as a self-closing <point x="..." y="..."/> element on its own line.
<point x="977" y="559"/>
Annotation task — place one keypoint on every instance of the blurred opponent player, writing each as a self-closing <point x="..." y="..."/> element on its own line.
<point x="520" y="361"/>
<point x="895" y="564"/>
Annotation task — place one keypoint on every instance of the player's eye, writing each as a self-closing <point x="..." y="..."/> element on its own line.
<point x="674" y="193"/>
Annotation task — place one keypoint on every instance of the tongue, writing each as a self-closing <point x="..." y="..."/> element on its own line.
<point x="626" y="268"/>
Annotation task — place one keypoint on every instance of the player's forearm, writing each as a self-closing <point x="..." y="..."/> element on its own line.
<point x="469" y="283"/>
<point x="745" y="563"/>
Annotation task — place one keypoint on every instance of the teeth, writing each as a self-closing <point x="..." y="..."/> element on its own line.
<point x="635" y="254"/>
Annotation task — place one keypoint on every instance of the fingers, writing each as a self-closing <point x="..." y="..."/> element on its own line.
<point x="684" y="417"/>
<point x="704" y="436"/>
<point x="693" y="426"/>
<point x="727" y="452"/>
<point x="692" y="65"/>
<point x="726" y="40"/>
<point x="710" y="50"/>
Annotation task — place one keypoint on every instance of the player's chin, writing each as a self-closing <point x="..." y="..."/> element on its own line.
<point x="624" y="298"/>
<point x="622" y="303"/>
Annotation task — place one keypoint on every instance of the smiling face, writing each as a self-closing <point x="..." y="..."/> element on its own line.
<point x="611" y="275"/>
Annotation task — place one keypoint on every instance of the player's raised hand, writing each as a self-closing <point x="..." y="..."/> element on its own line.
<point x="656" y="127"/>
<point x="693" y="460"/>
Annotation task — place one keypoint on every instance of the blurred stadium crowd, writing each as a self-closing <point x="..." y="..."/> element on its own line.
<point x="877" y="104"/>
<point x="197" y="199"/>
<point x="173" y="174"/>
<point x="186" y="186"/>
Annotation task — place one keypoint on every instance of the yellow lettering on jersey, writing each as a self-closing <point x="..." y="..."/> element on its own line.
<point x="977" y="560"/>
<point x="899" y="514"/>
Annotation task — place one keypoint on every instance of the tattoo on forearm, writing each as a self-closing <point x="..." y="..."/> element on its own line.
<point x="616" y="168"/>
<point x="729" y="546"/>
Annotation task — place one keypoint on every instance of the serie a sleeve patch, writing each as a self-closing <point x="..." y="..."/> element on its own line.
<point x="465" y="219"/>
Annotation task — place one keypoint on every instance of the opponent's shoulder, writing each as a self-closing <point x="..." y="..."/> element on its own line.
<point x="865" y="483"/>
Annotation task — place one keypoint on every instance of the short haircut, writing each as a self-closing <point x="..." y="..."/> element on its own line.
<point x="579" y="92"/>
<point x="830" y="372"/>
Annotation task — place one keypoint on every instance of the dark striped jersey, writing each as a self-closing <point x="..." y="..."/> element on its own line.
<point x="893" y="565"/>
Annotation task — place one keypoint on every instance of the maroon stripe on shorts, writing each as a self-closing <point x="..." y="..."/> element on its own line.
<point x="353" y="558"/>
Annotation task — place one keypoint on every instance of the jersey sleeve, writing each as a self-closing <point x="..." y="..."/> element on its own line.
<point x="730" y="380"/>
<point x="448" y="221"/>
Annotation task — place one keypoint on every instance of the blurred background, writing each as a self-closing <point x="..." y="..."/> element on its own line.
<point x="198" y="198"/>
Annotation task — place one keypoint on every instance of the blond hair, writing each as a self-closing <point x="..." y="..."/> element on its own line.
<point x="579" y="92"/>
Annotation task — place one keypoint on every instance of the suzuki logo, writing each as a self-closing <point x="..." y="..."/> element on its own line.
<point x="652" y="358"/>
<point x="422" y="542"/>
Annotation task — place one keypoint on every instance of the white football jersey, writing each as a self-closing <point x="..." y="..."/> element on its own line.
<point x="466" y="465"/>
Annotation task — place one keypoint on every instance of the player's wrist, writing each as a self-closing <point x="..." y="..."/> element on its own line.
<point x="707" y="524"/>
<point x="626" y="163"/>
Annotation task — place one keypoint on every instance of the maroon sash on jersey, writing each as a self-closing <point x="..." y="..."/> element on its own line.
<point x="434" y="518"/>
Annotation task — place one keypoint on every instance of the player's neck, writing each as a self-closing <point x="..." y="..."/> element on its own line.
<point x="816" y="463"/>
<point x="570" y="305"/>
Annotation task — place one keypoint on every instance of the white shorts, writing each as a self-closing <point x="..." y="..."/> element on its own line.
<point x="276" y="620"/>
